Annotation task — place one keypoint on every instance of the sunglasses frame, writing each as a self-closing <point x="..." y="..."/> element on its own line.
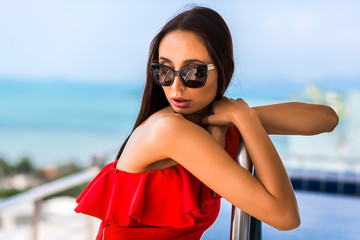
<point x="207" y="67"/>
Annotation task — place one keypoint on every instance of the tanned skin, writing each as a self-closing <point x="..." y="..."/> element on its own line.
<point x="193" y="136"/>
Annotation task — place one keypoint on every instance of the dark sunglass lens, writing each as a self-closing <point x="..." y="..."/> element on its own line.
<point x="165" y="76"/>
<point x="194" y="77"/>
<point x="155" y="72"/>
<point x="161" y="74"/>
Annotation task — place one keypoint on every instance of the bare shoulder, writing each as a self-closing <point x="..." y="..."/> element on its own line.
<point x="165" y="124"/>
<point x="155" y="137"/>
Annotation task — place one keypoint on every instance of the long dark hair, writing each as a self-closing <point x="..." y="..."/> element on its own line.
<point x="212" y="29"/>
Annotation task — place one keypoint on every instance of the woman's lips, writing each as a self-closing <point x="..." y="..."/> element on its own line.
<point x="180" y="102"/>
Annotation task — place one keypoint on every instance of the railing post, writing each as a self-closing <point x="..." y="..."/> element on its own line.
<point x="7" y="219"/>
<point x="240" y="221"/>
<point x="36" y="219"/>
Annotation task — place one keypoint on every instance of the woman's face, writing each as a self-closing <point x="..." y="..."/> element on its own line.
<point x="177" y="50"/>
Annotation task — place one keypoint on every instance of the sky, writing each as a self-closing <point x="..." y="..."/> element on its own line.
<point x="107" y="41"/>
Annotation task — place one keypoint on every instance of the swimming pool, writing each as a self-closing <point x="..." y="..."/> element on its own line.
<point x="323" y="216"/>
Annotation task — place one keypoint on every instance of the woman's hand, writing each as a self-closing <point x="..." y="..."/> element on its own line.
<point x="225" y="111"/>
<point x="223" y="115"/>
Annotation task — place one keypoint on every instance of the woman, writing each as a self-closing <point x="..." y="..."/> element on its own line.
<point x="172" y="169"/>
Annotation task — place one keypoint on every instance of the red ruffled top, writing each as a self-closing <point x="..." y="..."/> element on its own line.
<point x="167" y="203"/>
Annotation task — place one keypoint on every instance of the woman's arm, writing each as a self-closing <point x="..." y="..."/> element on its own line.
<point x="269" y="168"/>
<point x="297" y="118"/>
<point x="269" y="197"/>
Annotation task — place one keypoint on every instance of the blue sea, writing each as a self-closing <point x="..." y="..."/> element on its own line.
<point x="53" y="122"/>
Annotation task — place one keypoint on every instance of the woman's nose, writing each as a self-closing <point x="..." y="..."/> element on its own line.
<point x="177" y="84"/>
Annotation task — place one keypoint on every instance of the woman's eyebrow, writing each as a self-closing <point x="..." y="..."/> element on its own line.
<point x="165" y="59"/>
<point x="193" y="60"/>
<point x="186" y="61"/>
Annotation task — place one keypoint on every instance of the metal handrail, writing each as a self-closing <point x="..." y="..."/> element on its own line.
<point x="242" y="224"/>
<point x="51" y="188"/>
<point x="37" y="194"/>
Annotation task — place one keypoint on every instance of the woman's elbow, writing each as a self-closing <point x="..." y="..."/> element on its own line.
<point x="287" y="219"/>
<point x="327" y="120"/>
<point x="333" y="119"/>
<point x="289" y="222"/>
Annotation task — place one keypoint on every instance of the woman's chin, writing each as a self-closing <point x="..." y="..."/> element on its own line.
<point x="183" y="111"/>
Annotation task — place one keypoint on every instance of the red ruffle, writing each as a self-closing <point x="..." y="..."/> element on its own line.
<point x="165" y="197"/>
<point x="150" y="198"/>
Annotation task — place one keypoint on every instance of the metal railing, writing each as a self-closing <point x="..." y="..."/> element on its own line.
<point x="243" y="226"/>
<point x="37" y="194"/>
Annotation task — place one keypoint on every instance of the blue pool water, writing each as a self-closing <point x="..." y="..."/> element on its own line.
<point x="323" y="217"/>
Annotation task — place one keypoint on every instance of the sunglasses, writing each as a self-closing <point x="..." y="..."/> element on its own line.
<point x="193" y="76"/>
